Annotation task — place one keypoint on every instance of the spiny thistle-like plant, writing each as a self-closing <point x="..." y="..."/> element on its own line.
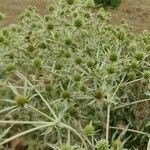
<point x="60" y="71"/>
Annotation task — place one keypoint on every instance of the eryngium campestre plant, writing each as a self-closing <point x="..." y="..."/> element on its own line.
<point x="70" y="67"/>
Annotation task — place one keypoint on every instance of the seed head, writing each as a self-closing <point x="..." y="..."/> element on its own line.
<point x="134" y="64"/>
<point x="77" y="77"/>
<point x="90" y="63"/>
<point x="42" y="45"/>
<point x="131" y="75"/>
<point x="21" y="100"/>
<point x="72" y="111"/>
<point x="1" y="39"/>
<point x="139" y="55"/>
<point x="117" y="144"/>
<point x="102" y="145"/>
<point x="30" y="48"/>
<point x="37" y="62"/>
<point x="50" y="26"/>
<point x="66" y="147"/>
<point x="68" y="41"/>
<point x="10" y="67"/>
<point x="113" y="57"/>
<point x="111" y="69"/>
<point x="78" y="23"/>
<point x="67" y="54"/>
<point x="98" y="94"/>
<point x="51" y="8"/>
<point x="48" y="88"/>
<point x="88" y="130"/>
<point x="78" y="60"/>
<point x="146" y="75"/>
<point x="58" y="66"/>
<point x="83" y="88"/>
<point x="70" y="2"/>
<point x="65" y="95"/>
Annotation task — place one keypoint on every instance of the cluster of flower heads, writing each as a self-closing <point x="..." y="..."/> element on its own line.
<point x="76" y="58"/>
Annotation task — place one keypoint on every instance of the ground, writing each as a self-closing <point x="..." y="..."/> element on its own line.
<point x="136" y="12"/>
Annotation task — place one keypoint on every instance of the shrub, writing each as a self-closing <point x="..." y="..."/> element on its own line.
<point x="113" y="3"/>
<point x="63" y="70"/>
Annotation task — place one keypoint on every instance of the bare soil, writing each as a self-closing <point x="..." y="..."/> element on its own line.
<point x="13" y="8"/>
<point x="135" y="12"/>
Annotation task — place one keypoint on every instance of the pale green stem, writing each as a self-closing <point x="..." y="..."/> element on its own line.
<point x="74" y="131"/>
<point x="40" y="112"/>
<point x="108" y="121"/>
<point x="130" y="130"/>
<point x="22" y="122"/>
<point x="7" y="109"/>
<point x="132" y="103"/>
<point x="26" y="132"/>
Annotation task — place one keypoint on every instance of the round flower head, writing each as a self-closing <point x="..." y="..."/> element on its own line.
<point x="78" y="23"/>
<point x="72" y="111"/>
<point x="10" y="67"/>
<point x="37" y="62"/>
<point x="30" y="48"/>
<point x="58" y="66"/>
<point x="1" y="39"/>
<point x="50" y="26"/>
<point x="70" y="2"/>
<point x="47" y="18"/>
<point x="78" y="60"/>
<point x="67" y="54"/>
<point x="146" y="75"/>
<point x="48" y="88"/>
<point x="68" y="41"/>
<point x="131" y="75"/>
<point x="111" y="69"/>
<point x="88" y="130"/>
<point x="51" y="8"/>
<point x="42" y="45"/>
<point x="66" y="147"/>
<point x="65" y="95"/>
<point x="117" y="144"/>
<point x="83" y="88"/>
<point x="77" y="77"/>
<point x="21" y="99"/>
<point x="113" y="57"/>
<point x="98" y="94"/>
<point x="139" y="55"/>
<point x="102" y="145"/>
<point x="90" y="63"/>
<point x="134" y="64"/>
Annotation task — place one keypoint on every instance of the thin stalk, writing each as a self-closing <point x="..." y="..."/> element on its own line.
<point x="7" y="109"/>
<point x="132" y="103"/>
<point x="74" y="131"/>
<point x="148" y="145"/>
<point x="127" y="83"/>
<point x="108" y="121"/>
<point x="40" y="112"/>
<point x="22" y="122"/>
<point x="130" y="130"/>
<point x="26" y="132"/>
